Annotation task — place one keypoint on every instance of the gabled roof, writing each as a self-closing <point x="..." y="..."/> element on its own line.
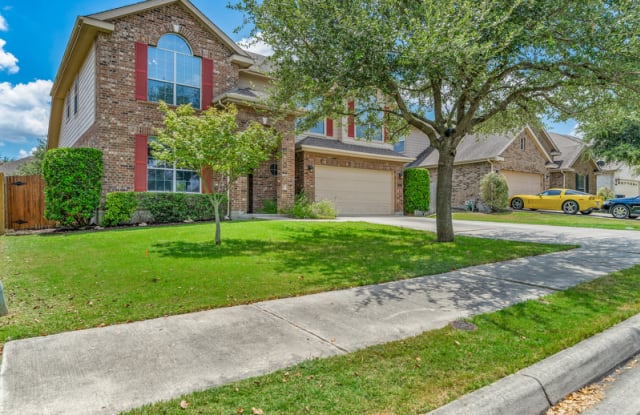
<point x="11" y="167"/>
<point x="81" y="41"/>
<point x="476" y="148"/>
<point x="331" y="146"/>
<point x="570" y="149"/>
<point x="152" y="4"/>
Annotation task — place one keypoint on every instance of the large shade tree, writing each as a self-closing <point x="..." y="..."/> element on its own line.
<point x="450" y="68"/>
<point x="616" y="140"/>
<point x="213" y="144"/>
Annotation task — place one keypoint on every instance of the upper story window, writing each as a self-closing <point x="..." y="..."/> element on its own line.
<point x="174" y="74"/>
<point x="523" y="143"/>
<point x="362" y="127"/>
<point x="398" y="147"/>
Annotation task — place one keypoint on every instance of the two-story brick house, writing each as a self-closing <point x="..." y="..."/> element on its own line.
<point x="119" y="63"/>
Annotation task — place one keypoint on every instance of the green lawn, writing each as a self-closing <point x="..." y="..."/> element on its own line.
<point x="63" y="282"/>
<point x="552" y="218"/>
<point x="419" y="374"/>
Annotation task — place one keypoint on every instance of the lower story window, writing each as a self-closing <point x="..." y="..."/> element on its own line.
<point x="164" y="177"/>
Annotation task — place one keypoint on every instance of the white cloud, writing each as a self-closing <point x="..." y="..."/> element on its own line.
<point x="4" y="26"/>
<point x="25" y="110"/>
<point x="7" y="60"/>
<point x="255" y="44"/>
<point x="24" y="153"/>
<point x="577" y="132"/>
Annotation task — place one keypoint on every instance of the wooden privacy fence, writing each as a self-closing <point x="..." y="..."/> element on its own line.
<point x="23" y="203"/>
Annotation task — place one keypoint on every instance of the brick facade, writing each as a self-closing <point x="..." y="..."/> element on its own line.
<point x="119" y="116"/>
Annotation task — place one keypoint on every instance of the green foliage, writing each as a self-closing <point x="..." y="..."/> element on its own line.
<point x="494" y="191"/>
<point x="303" y="208"/>
<point x="269" y="206"/>
<point x="416" y="190"/>
<point x="605" y="192"/>
<point x="449" y="68"/>
<point x="212" y="141"/>
<point x="73" y="184"/>
<point x="178" y="207"/>
<point x="34" y="166"/>
<point x="617" y="140"/>
<point x="119" y="207"/>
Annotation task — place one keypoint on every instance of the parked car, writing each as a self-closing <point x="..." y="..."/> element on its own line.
<point x="567" y="200"/>
<point x="623" y="207"/>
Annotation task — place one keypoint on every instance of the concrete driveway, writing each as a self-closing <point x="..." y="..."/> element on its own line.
<point x="112" y="369"/>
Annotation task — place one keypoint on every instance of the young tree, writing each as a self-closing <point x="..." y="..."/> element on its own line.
<point x="450" y="68"/>
<point x="34" y="166"/>
<point x="213" y="142"/>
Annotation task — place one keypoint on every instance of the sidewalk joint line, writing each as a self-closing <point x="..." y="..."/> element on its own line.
<point x="299" y="327"/>
<point x="528" y="284"/>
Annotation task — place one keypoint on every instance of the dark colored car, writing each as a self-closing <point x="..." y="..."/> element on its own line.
<point x="623" y="207"/>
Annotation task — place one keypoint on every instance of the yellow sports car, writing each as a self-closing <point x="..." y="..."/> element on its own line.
<point x="567" y="200"/>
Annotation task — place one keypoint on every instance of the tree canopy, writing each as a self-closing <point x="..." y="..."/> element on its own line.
<point x="450" y="68"/>
<point x="212" y="141"/>
<point x="617" y="141"/>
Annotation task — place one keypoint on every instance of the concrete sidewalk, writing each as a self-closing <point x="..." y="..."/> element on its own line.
<point x="112" y="369"/>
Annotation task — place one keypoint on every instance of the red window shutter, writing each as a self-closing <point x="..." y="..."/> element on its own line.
<point x="140" y="164"/>
<point x="351" y="126"/>
<point x="329" y="127"/>
<point x="207" y="182"/>
<point x="207" y="83"/>
<point x="141" y="71"/>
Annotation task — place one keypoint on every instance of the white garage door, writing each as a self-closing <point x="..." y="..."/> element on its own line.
<point x="356" y="191"/>
<point x="523" y="183"/>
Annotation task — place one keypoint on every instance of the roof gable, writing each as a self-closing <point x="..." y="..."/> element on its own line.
<point x="152" y="4"/>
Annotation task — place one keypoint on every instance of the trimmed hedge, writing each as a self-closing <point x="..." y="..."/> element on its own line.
<point x="162" y="207"/>
<point x="73" y="178"/>
<point x="417" y="193"/>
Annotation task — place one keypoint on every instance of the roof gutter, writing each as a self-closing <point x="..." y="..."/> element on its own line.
<point x="339" y="152"/>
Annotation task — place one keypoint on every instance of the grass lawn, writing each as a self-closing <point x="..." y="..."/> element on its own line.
<point x="63" y="282"/>
<point x="555" y="218"/>
<point x="419" y="374"/>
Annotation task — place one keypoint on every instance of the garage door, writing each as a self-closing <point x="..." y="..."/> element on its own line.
<point x="523" y="183"/>
<point x="356" y="191"/>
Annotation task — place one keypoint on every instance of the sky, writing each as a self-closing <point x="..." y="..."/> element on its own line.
<point x="33" y="37"/>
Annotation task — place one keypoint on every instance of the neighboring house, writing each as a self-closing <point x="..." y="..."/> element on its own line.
<point x="10" y="168"/>
<point x="531" y="160"/>
<point x="119" y="63"/>
<point x="620" y="178"/>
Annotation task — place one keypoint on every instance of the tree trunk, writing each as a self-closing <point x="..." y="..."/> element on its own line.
<point x="444" y="224"/>
<point x="215" y="202"/>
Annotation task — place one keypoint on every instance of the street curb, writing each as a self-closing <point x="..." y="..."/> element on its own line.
<point x="534" y="389"/>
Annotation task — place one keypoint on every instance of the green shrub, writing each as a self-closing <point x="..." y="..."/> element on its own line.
<point x="606" y="193"/>
<point x="119" y="207"/>
<point x="177" y="207"/>
<point x="416" y="190"/>
<point x="303" y="208"/>
<point x="494" y="191"/>
<point x="73" y="184"/>
<point x="323" y="209"/>
<point x="269" y="206"/>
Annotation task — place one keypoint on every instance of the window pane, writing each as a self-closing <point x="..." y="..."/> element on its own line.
<point x="160" y="180"/>
<point x="399" y="147"/>
<point x="175" y="43"/>
<point x="186" y="95"/>
<point x="161" y="91"/>
<point x="188" y="70"/>
<point x="187" y="181"/>
<point x="160" y="65"/>
<point x="318" y="128"/>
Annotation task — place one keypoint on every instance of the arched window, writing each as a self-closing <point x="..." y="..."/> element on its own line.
<point x="174" y="74"/>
